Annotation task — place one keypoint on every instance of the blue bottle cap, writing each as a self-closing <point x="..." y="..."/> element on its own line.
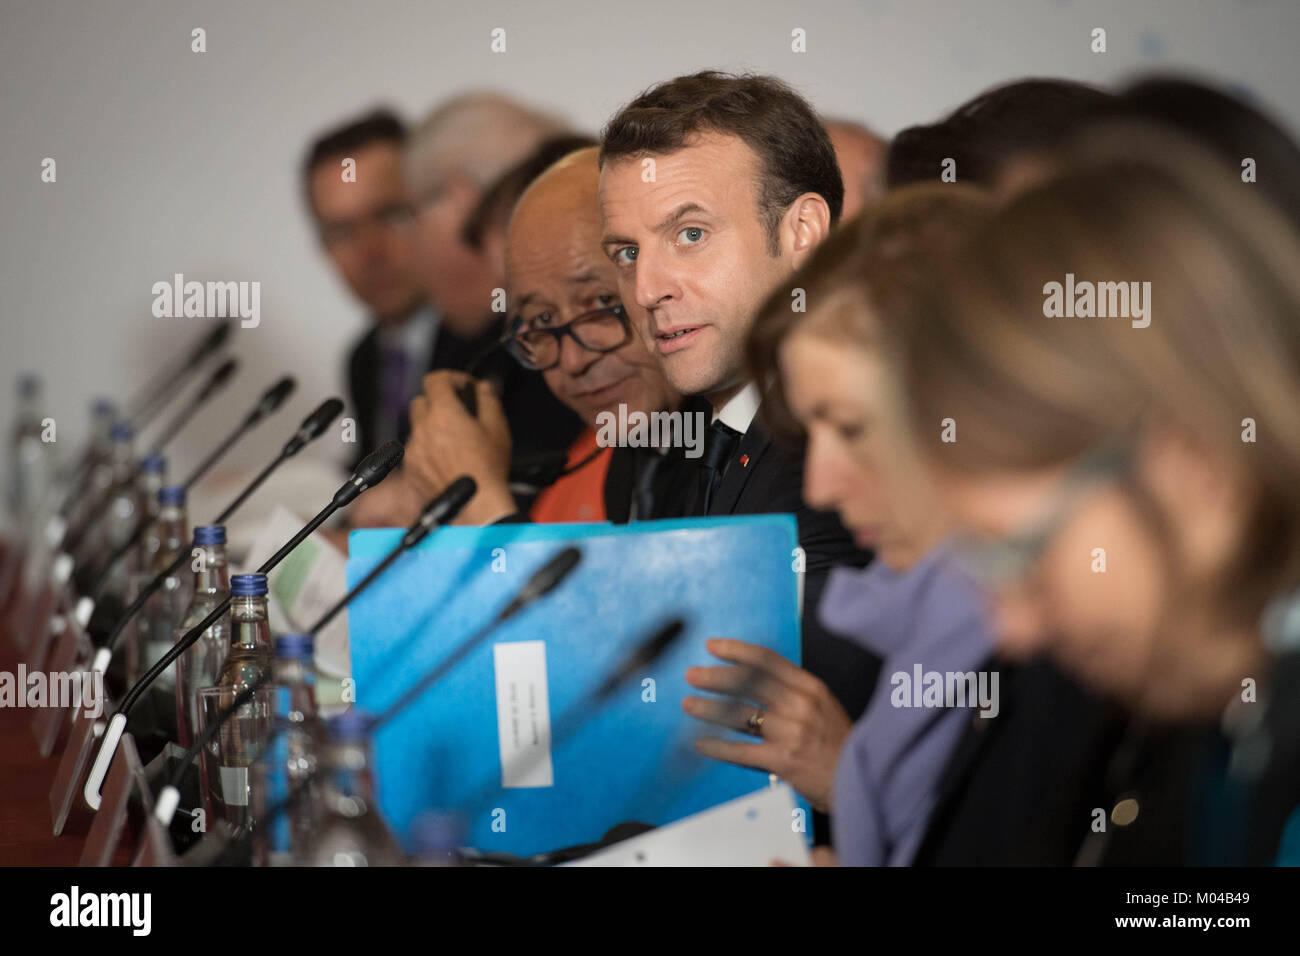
<point x="121" y="431"/>
<point x="350" y="727"/>
<point x="171" y="495"/>
<point x="154" y="463"/>
<point x="294" y="645"/>
<point x="248" y="585"/>
<point x="210" y="534"/>
<point x="101" y="407"/>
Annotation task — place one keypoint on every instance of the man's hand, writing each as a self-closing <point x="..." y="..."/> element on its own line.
<point x="393" y="503"/>
<point x="447" y="442"/>
<point x="803" y="726"/>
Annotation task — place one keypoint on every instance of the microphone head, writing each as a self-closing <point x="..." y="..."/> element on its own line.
<point x="314" y="424"/>
<point x="544" y="580"/>
<point x="219" y="377"/>
<point x="643" y="655"/>
<point x="273" y="398"/>
<point x="441" y="510"/>
<point x="211" y="342"/>
<point x="376" y="466"/>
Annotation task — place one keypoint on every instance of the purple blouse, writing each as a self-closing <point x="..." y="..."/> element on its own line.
<point x="931" y="615"/>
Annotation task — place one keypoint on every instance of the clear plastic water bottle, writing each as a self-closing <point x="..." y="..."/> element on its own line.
<point x="200" y="665"/>
<point x="247" y="660"/>
<point x="31" y="459"/>
<point x="131" y="508"/>
<point x="106" y="519"/>
<point x="166" y="538"/>
<point x="92" y="489"/>
<point x="249" y="656"/>
<point x="292" y="760"/>
<point x="351" y="831"/>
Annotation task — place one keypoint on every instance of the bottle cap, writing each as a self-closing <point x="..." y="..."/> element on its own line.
<point x="171" y="495"/>
<point x="248" y="585"/>
<point x="121" y="431"/>
<point x="154" y="463"/>
<point x="101" y="407"/>
<point x="294" y="645"/>
<point x="210" y="534"/>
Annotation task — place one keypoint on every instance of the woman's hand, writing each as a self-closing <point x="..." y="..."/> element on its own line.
<point x="802" y="725"/>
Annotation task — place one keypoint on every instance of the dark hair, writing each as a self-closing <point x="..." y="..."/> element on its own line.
<point x="378" y="126"/>
<point x="1229" y="127"/>
<point x="777" y="123"/>
<point x="984" y="133"/>
<point x="498" y="200"/>
<point x="864" y="282"/>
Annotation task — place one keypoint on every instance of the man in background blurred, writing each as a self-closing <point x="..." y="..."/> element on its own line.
<point x="861" y="155"/>
<point x="452" y="157"/>
<point x="356" y="192"/>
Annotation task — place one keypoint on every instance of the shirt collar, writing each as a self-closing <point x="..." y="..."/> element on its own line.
<point x="738" y="411"/>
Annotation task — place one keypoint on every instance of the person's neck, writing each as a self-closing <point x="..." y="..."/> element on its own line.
<point x="399" y="320"/>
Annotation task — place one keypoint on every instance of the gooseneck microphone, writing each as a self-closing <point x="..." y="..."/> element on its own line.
<point x="372" y="470"/>
<point x="269" y="402"/>
<point x="141" y="408"/>
<point x="147" y="403"/>
<point x="645" y="653"/>
<point x="440" y="511"/>
<point x="311" y="428"/>
<point x="213" y="385"/>
<point x="216" y="381"/>
<point x="542" y="582"/>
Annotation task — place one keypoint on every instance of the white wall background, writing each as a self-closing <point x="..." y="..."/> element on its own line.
<point x="171" y="161"/>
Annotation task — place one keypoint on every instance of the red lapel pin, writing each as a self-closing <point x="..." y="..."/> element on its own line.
<point x="744" y="461"/>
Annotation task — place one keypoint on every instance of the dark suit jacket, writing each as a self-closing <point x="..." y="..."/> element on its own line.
<point x="771" y="482"/>
<point x="1023" y="787"/>
<point x="1020" y="787"/>
<point x="539" y="423"/>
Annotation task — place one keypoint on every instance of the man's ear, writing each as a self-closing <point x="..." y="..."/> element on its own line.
<point x="806" y="224"/>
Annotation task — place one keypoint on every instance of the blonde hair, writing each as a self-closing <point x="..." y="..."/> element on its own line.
<point x="1223" y="345"/>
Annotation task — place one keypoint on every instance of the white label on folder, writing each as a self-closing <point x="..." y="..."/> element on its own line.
<point x="523" y="714"/>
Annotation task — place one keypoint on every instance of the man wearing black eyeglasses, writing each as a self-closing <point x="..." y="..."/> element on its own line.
<point x="388" y="208"/>
<point x="568" y="324"/>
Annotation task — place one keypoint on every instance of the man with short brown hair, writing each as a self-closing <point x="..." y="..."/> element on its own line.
<point x="714" y="189"/>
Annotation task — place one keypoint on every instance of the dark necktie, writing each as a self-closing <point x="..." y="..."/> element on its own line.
<point x="719" y="445"/>
<point x="646" y="462"/>
<point x="393" y="399"/>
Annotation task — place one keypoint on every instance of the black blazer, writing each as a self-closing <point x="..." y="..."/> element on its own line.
<point x="771" y="482"/>
<point x="1019" y="788"/>
<point x="1023" y="788"/>
<point x="539" y="423"/>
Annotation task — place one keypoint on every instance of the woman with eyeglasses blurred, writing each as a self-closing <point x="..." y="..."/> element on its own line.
<point x="1126" y="473"/>
<point x="833" y="386"/>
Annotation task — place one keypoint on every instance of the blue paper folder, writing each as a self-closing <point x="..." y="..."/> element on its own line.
<point x="631" y="759"/>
